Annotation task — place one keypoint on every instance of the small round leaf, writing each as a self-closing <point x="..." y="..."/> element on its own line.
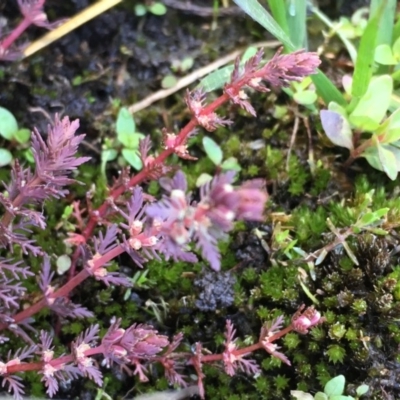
<point x="212" y="150"/>
<point x="5" y="157"/>
<point x="8" y="124"/>
<point x="157" y="9"/>
<point x="22" y="135"/>
<point x="63" y="264"/>
<point x="132" y="157"/>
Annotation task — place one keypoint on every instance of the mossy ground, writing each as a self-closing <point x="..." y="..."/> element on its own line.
<point x="307" y="186"/>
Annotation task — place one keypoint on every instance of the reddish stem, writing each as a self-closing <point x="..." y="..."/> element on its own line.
<point x="15" y="34"/>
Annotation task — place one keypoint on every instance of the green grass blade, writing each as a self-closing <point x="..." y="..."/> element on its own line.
<point x="278" y="11"/>
<point x="327" y="90"/>
<point x="365" y="59"/>
<point x="297" y="21"/>
<point x="254" y="9"/>
<point x="386" y="24"/>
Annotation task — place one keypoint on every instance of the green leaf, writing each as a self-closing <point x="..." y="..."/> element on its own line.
<point x="109" y="155"/>
<point x="126" y="129"/>
<point x="157" y="8"/>
<point x="5" y="157"/>
<point x="305" y="97"/>
<point x="254" y="9"/>
<point x="22" y="135"/>
<point x="278" y="11"/>
<point x="370" y="217"/>
<point x="390" y="128"/>
<point x="296" y="18"/>
<point x="203" y="179"/>
<point x="168" y="81"/>
<point x="337" y="128"/>
<point x="125" y="122"/>
<point x="362" y="389"/>
<point x="378" y="231"/>
<point x="8" y="124"/>
<point x="335" y="386"/>
<point x="63" y="264"/>
<point x="140" y="10"/>
<point x="372" y="107"/>
<point x="320" y="396"/>
<point x="298" y="394"/>
<point x="388" y="162"/>
<point x="396" y="48"/>
<point x="212" y="150"/>
<point x="132" y="157"/>
<point x="231" y="164"/>
<point x="327" y="90"/>
<point x="384" y="55"/>
<point x="388" y="10"/>
<point x="365" y="58"/>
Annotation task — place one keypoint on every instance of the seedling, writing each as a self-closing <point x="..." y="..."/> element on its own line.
<point x="127" y="141"/>
<point x="333" y="391"/>
<point x="215" y="154"/>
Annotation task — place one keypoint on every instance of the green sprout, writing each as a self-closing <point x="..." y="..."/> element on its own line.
<point x="127" y="141"/>
<point x="10" y="131"/>
<point x="333" y="390"/>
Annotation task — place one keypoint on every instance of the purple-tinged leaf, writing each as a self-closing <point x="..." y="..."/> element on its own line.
<point x="337" y="128"/>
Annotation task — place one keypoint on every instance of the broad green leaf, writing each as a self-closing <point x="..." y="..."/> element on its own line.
<point x="298" y="394"/>
<point x="125" y="124"/>
<point x="388" y="161"/>
<point x="256" y="11"/>
<point x="332" y="106"/>
<point x="8" y="124"/>
<point x="109" y="155"/>
<point x="372" y="156"/>
<point x="384" y="55"/>
<point x="320" y="396"/>
<point x="341" y="397"/>
<point x="335" y="386"/>
<point x="157" y="8"/>
<point x="391" y="128"/>
<point x="364" y="123"/>
<point x="396" y="48"/>
<point x="327" y="90"/>
<point x="212" y="150"/>
<point x="132" y="157"/>
<point x="63" y="264"/>
<point x="374" y="103"/>
<point x="5" y="157"/>
<point x="231" y="164"/>
<point x="365" y="58"/>
<point x="305" y="97"/>
<point x="362" y="389"/>
<point x="168" y="81"/>
<point x="22" y="135"/>
<point x="337" y="129"/>
<point x="203" y="179"/>
<point x="371" y="217"/>
<point x="378" y="231"/>
<point x="140" y="10"/>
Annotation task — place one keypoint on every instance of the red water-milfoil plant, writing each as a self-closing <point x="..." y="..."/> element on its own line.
<point x="139" y="225"/>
